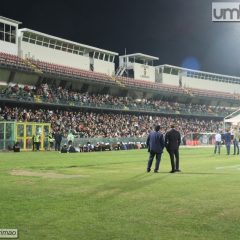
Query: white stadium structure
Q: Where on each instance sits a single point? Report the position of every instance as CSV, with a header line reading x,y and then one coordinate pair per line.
x,y
32,58
31,45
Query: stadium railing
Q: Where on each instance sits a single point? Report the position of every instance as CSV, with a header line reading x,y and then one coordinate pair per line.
x,y
112,107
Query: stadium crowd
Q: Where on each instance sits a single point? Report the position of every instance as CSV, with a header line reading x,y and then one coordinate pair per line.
x,y
92,124
59,95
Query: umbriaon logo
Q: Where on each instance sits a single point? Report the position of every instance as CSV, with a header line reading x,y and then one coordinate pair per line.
x,y
8,233
226,11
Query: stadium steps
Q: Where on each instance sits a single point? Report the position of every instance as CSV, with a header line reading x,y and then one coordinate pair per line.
x,y
33,66
37,99
119,83
188,91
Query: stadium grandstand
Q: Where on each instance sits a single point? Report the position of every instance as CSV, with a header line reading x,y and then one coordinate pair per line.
x,y
79,89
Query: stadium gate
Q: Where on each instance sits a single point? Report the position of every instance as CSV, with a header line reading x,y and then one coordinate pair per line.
x,y
23,132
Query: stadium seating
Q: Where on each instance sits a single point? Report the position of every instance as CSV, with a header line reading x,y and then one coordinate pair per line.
x,y
14,61
172,89
71,72
9,60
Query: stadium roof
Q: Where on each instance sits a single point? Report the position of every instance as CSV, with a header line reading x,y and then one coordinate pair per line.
x,y
197,71
141,56
87,47
10,20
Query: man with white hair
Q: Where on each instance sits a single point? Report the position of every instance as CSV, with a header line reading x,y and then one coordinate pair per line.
x,y
236,136
218,142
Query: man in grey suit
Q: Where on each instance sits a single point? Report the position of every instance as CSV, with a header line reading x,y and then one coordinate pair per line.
x,y
155,144
172,143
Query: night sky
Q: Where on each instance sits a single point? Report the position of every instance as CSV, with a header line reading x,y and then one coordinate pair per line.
x,y
179,32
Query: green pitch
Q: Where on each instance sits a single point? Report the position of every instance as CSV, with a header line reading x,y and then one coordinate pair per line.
x,y
108,195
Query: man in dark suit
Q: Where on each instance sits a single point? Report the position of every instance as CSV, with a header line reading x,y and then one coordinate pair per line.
x,y
155,144
58,140
227,140
172,142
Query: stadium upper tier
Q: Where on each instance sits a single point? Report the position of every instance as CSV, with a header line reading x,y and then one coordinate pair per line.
x,y
59,96
40,68
43,54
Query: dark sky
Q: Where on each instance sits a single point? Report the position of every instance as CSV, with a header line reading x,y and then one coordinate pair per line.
x,y
173,30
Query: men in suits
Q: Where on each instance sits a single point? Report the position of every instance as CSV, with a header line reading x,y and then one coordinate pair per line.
x,y
172,143
155,144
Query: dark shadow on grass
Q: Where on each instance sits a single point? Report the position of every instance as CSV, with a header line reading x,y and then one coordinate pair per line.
x,y
72,166
114,189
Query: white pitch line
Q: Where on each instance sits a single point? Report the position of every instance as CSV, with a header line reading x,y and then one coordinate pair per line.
x,y
234,166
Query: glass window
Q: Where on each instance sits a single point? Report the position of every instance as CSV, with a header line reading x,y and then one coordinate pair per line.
x,y
7,28
64,47
32,40
7,37
39,38
25,39
13,30
26,34
106,57
167,70
45,42
1,27
70,46
29,129
131,59
111,58
33,36
39,43
2,36
174,71
76,48
52,43
20,130
101,56
13,39
96,55
58,45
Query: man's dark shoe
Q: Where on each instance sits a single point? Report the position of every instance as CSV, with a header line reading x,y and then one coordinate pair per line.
x,y
177,170
172,171
148,170
156,171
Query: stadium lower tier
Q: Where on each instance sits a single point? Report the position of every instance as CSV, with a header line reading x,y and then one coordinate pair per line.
x,y
90,124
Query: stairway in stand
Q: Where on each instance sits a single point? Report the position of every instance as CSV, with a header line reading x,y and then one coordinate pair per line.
x,y
117,81
33,66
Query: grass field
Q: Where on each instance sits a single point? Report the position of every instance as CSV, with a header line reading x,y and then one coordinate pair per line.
x,y
109,195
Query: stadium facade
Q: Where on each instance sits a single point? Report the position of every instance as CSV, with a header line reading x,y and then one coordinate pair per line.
x,y
32,58
32,45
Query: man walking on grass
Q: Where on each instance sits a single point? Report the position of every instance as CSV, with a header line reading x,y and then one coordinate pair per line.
x,y
172,143
155,144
